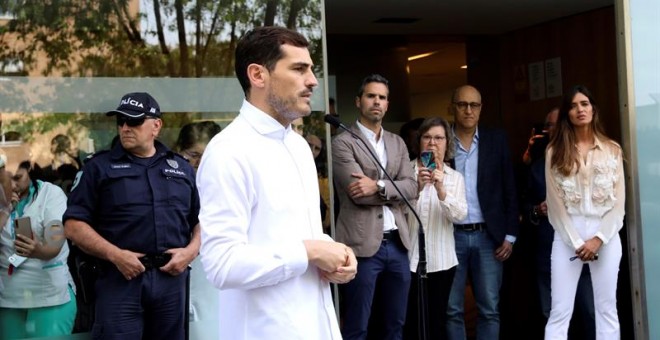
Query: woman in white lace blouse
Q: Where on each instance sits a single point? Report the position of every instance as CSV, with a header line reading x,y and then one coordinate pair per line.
x,y
441,202
586,198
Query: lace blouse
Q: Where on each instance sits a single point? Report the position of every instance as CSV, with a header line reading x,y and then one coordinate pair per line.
x,y
597,190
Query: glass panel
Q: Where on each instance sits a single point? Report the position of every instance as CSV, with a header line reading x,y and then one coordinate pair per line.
x,y
63,64
646,66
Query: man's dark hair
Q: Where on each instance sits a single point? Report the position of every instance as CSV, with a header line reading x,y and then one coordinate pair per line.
x,y
262,46
372,78
198,132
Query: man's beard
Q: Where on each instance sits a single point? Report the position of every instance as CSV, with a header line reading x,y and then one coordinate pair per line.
x,y
374,118
286,109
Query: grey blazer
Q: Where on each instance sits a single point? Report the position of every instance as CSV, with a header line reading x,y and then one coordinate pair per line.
x,y
360,220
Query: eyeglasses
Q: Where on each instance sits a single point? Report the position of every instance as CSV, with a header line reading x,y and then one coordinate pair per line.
x,y
132,122
191,155
464,105
428,138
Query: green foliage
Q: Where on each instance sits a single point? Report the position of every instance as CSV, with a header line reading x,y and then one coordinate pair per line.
x,y
31,125
103,38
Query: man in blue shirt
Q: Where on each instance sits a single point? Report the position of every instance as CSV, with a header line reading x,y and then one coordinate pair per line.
x,y
135,208
484,239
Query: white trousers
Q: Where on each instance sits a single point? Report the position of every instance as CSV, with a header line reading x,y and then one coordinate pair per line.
x,y
564,280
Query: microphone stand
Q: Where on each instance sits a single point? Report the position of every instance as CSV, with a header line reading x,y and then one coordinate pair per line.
x,y
422,294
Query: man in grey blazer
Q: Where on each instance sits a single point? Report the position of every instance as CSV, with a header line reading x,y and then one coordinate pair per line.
x,y
371,217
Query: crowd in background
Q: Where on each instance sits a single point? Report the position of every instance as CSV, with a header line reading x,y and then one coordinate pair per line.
x,y
458,179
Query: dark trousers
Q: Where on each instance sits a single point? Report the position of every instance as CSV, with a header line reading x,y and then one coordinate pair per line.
x,y
390,268
438,286
151,306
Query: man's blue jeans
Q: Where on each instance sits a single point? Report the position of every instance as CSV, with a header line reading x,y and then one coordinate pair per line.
x,y
390,269
476,256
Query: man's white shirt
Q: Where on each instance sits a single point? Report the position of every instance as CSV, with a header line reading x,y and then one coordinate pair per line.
x,y
259,200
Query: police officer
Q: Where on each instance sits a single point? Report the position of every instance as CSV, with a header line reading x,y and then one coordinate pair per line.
x,y
135,208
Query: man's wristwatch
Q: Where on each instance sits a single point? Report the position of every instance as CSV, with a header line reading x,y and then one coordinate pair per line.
x,y
381,186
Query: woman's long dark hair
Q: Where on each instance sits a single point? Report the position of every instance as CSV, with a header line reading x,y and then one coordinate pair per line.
x,y
35,173
563,140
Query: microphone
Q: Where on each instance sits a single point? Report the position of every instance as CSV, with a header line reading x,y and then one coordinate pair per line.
x,y
334,121
421,265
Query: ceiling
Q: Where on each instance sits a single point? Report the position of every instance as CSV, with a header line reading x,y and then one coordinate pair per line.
x,y
447,17
431,26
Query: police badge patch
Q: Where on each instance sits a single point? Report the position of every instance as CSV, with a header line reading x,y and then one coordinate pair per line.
x,y
173,163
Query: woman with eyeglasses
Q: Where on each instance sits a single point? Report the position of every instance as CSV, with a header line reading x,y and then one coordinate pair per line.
x,y
441,202
191,144
586,200
193,138
38,298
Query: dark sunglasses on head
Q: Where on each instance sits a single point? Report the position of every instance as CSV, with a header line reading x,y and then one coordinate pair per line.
x,y
132,122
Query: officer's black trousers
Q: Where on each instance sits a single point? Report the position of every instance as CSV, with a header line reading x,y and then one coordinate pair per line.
x,y
151,306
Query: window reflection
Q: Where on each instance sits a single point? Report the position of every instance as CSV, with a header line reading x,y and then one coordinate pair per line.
x,y
63,65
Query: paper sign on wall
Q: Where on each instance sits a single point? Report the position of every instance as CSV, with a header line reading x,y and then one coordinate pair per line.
x,y
553,82
536,81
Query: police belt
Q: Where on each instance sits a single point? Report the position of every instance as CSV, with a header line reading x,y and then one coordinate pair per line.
x,y
151,261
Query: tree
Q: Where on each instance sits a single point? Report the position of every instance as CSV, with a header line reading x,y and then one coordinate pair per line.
x,y
114,38
172,38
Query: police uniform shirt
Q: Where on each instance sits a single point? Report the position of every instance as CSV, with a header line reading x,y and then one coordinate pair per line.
x,y
144,205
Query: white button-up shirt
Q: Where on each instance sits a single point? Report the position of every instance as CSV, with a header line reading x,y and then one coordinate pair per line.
x,y
259,200
438,218
379,145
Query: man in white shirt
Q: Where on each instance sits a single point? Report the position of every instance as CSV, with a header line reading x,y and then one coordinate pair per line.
x,y
262,240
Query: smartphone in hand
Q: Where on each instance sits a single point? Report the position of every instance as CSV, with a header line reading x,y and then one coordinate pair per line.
x,y
428,160
23,226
